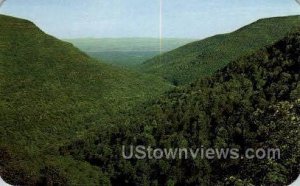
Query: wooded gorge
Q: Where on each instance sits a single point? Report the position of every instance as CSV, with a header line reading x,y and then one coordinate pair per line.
x,y
253,102
65,116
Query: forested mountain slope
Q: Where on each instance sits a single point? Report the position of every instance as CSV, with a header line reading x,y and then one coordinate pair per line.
x,y
202,58
63,117
50,92
254,102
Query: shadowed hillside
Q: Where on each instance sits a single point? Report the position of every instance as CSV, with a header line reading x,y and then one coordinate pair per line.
x,y
64,117
253,102
50,92
203,58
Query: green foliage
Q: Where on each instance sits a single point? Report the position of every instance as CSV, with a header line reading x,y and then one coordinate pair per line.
x,y
64,117
251,103
203,58
50,93
129,59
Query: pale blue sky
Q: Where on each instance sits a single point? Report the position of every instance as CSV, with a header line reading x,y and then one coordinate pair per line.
x,y
140,18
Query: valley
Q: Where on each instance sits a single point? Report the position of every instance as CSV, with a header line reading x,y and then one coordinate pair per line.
x,y
65,113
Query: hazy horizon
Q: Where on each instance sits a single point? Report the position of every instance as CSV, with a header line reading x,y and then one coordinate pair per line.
x,y
74,19
126,38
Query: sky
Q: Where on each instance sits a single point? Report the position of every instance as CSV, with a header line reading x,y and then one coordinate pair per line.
x,y
141,18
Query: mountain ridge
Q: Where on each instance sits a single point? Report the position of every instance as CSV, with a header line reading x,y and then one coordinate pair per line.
x,y
252,103
51,92
202,58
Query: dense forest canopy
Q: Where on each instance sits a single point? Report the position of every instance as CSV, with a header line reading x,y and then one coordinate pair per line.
x,y
50,92
253,102
203,58
65,117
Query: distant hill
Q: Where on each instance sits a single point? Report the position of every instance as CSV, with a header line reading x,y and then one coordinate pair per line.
x,y
203,58
126,51
51,92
